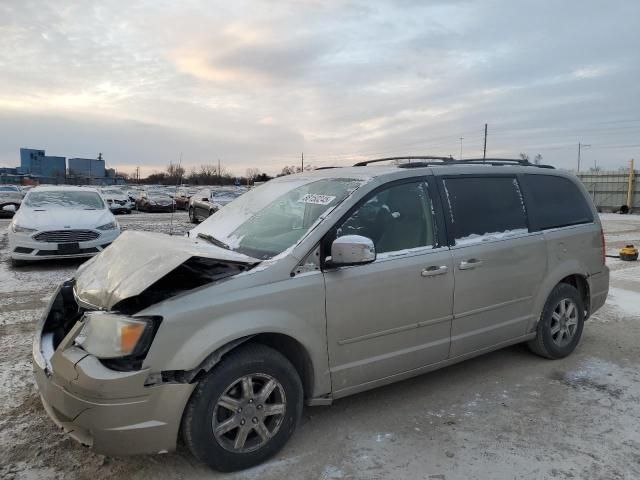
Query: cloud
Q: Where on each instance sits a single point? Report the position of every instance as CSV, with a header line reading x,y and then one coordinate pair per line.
x,y
256,82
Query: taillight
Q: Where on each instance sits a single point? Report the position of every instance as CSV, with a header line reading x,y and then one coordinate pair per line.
x,y
604,246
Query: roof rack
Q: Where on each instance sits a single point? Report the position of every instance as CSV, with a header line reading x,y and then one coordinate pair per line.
x,y
502,161
376,160
428,161
325,168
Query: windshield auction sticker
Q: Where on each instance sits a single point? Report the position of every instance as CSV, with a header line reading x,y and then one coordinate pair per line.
x,y
317,199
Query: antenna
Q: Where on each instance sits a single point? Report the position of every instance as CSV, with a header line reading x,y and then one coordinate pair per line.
x,y
178,170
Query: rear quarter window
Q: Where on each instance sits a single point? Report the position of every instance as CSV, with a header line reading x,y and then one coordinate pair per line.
x,y
555,202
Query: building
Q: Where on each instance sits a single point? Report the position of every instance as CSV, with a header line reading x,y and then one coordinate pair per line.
x,y
50,169
86,167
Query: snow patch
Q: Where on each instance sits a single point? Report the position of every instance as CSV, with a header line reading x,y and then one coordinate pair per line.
x,y
487,237
625,301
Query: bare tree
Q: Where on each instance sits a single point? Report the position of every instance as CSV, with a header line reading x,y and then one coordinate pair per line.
x,y
524,156
537,160
252,173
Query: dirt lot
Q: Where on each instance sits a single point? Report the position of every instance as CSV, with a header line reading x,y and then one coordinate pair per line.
x,y
506,415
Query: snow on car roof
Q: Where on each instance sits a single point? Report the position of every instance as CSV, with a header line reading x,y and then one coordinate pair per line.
x,y
65,188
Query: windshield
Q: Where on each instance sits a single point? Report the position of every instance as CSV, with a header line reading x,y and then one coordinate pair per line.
x,y
69,199
269,219
9,189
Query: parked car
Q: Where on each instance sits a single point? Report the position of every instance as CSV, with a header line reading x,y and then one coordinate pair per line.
x,y
61,222
154,201
206,202
116,199
183,196
10,198
310,288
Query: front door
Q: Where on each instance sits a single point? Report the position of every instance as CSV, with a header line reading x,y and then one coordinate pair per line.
x,y
393,315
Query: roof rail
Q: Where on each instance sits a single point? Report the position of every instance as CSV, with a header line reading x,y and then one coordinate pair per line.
x,y
376,160
325,168
502,161
431,161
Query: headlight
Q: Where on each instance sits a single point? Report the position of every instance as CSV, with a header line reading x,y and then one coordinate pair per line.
x,y
108,226
18,229
106,335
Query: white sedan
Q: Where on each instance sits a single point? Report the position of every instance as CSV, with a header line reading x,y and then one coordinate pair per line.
x,y
61,222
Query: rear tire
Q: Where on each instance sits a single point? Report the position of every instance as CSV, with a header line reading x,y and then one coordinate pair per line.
x,y
245,410
561,323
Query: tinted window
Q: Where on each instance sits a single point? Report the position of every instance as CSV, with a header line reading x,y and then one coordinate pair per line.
x,y
483,208
397,218
555,202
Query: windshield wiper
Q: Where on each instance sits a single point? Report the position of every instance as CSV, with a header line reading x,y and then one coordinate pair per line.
x,y
214,240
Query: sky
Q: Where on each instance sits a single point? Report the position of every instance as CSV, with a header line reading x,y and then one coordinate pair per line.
x,y
256,83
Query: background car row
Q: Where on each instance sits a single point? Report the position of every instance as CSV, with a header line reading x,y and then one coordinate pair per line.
x,y
70,221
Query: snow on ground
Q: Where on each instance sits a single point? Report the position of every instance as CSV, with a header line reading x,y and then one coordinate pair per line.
x,y
508,414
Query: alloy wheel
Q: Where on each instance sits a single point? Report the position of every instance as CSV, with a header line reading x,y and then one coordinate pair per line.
x,y
564,322
249,413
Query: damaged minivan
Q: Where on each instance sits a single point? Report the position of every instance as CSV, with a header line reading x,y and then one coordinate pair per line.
x,y
310,288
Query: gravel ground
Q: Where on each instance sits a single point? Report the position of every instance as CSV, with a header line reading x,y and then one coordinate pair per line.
x,y
505,415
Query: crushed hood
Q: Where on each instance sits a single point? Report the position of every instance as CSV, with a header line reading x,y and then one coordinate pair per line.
x,y
136,260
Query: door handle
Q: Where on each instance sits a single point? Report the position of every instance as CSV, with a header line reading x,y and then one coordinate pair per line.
x,y
434,270
470,264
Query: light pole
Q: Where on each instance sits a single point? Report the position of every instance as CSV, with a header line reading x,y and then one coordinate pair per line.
x,y
461,138
580,147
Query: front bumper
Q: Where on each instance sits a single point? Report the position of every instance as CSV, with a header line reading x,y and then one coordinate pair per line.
x,y
120,208
23,247
112,412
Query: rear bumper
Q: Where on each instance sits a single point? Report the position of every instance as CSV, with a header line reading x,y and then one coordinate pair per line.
x,y
112,412
599,289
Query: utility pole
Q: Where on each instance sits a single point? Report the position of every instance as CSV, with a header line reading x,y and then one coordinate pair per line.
x,y
484,150
219,173
630,186
580,147
302,160
461,138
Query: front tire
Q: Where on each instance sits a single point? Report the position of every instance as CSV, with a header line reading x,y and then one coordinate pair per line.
x,y
561,323
245,410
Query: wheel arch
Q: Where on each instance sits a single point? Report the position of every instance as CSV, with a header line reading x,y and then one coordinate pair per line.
x,y
572,273
580,283
284,344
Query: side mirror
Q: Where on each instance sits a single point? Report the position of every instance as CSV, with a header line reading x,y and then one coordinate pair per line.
x,y
352,250
205,199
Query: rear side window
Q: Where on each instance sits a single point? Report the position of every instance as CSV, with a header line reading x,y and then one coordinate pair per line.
x,y
484,208
555,202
